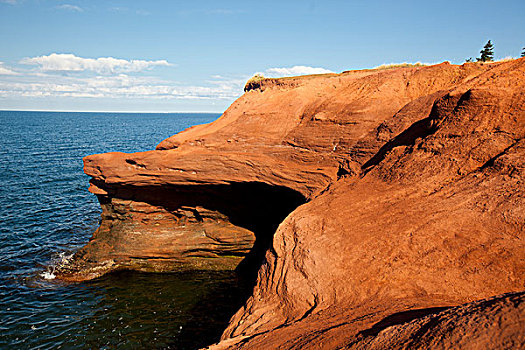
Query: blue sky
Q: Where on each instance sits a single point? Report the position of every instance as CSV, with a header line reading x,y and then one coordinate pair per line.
x,y
176,56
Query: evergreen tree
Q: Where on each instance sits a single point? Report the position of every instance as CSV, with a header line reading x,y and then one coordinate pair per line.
x,y
487,54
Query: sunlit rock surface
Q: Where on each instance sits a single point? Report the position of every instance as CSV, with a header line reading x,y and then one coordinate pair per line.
x,y
364,195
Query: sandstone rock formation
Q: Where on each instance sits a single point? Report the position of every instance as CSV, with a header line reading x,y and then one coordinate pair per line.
x,y
365,195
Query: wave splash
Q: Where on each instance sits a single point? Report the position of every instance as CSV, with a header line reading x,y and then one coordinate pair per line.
x,y
61,259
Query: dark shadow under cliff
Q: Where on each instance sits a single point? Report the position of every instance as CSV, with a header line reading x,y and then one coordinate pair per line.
x,y
255,206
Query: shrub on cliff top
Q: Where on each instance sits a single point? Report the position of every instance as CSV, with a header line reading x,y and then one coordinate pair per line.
x,y
401,65
253,82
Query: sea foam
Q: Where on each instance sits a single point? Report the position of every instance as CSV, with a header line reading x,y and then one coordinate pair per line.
x,y
61,259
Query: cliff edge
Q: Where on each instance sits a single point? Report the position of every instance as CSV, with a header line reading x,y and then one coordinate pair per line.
x,y
358,197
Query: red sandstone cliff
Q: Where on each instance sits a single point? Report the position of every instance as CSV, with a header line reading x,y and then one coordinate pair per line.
x,y
412,193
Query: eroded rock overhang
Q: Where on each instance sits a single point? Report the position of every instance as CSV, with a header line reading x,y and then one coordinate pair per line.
x,y
215,193
170,211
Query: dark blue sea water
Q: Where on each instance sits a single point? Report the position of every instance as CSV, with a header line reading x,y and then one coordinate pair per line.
x,y
46,212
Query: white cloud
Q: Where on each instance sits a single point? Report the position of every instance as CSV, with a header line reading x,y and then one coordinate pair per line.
x,y
119,9
216,11
126,10
101,65
295,70
6,71
120,86
223,12
69,7
107,78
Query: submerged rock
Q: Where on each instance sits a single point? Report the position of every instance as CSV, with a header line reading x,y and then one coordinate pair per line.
x,y
360,196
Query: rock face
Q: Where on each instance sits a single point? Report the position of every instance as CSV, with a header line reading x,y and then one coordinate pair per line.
x,y
365,195
495,323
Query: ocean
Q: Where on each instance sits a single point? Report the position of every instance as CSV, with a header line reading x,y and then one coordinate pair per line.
x,y
47,213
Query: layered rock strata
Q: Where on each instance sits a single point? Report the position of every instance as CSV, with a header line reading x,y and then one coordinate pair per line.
x,y
371,193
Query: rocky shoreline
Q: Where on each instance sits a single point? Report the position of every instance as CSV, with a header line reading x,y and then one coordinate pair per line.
x,y
357,198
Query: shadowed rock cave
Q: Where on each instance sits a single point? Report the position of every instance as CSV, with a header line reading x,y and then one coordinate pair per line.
x,y
255,206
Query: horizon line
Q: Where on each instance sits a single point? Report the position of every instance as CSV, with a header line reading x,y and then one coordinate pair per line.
x,y
99,111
